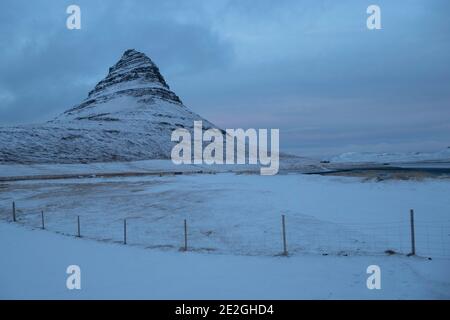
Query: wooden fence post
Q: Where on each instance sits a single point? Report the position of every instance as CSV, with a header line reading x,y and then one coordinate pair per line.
x,y
413,238
14,211
283,222
124,231
185,236
79,232
42,220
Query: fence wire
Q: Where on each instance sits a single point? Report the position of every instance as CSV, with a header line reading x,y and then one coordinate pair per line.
x,y
304,233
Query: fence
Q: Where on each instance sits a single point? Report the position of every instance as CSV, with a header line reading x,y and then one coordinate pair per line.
x,y
275,235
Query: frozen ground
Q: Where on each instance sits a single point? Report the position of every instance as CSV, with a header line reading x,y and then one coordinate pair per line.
x,y
241,213
34,263
26,171
394,157
336,227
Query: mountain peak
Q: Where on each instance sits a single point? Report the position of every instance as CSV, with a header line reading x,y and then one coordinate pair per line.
x,y
130,51
130,115
135,76
133,70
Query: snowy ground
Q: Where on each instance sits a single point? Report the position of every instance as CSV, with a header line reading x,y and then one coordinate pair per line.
x,y
441,156
21,171
35,263
240,213
336,227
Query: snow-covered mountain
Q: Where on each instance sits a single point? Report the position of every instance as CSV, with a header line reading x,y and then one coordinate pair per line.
x,y
129,115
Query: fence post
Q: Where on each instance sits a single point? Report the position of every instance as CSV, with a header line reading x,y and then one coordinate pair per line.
x,y
413,239
78,220
283,222
185,236
124,231
42,219
14,211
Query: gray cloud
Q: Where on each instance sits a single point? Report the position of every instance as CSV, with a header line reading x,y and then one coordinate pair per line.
x,y
47,68
310,68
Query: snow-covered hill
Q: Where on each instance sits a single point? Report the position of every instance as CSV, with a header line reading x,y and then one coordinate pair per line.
x,y
128,116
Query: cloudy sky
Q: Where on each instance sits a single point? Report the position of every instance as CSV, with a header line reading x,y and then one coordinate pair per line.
x,y
310,68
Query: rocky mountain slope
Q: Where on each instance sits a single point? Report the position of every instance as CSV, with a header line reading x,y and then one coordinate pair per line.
x,y
129,115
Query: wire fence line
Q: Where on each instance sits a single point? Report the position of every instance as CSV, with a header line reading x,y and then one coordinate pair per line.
x,y
270,236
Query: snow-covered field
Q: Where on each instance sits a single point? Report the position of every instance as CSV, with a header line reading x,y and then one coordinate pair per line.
x,y
34,263
10,171
393,157
336,227
241,213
